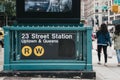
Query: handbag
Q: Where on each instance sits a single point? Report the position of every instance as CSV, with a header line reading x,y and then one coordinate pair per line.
x,y
110,51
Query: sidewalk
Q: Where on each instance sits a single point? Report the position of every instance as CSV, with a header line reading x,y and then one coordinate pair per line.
x,y
109,72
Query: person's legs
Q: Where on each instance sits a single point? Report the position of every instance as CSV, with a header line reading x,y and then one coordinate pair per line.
x,y
105,53
118,55
99,52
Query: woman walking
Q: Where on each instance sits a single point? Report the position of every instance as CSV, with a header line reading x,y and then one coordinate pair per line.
x,y
103,39
116,38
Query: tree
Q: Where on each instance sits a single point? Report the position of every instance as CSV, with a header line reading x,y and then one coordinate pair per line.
x,y
10,10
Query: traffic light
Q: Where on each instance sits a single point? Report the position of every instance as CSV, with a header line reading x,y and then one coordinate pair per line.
x,y
115,8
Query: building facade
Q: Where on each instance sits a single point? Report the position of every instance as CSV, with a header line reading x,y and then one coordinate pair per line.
x,y
82,12
112,16
89,12
99,11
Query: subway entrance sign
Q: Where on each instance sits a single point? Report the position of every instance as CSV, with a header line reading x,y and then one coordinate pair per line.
x,y
48,48
36,45
63,48
66,47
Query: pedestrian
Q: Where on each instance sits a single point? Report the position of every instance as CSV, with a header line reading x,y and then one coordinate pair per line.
x,y
116,38
103,39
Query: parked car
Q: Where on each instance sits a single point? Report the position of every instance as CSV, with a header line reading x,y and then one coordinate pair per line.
x,y
1,37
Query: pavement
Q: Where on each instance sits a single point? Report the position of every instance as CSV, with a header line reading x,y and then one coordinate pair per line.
x,y
109,72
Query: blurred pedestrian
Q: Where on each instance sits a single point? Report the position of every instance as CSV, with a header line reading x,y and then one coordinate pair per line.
x,y
116,38
103,39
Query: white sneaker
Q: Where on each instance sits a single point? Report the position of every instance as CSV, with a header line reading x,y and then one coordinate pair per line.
x,y
99,63
119,64
105,64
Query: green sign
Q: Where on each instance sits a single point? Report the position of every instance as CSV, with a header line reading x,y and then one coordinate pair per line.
x,y
116,1
119,2
104,7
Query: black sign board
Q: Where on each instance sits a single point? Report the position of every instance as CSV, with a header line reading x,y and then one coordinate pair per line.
x,y
47,45
48,11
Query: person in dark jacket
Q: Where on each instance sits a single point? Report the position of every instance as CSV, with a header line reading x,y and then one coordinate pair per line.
x,y
103,39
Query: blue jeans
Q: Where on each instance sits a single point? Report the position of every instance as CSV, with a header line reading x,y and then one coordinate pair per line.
x,y
118,55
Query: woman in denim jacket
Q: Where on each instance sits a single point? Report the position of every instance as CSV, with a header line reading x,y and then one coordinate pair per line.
x,y
103,39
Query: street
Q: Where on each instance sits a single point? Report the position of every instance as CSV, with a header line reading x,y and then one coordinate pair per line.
x,y
109,72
